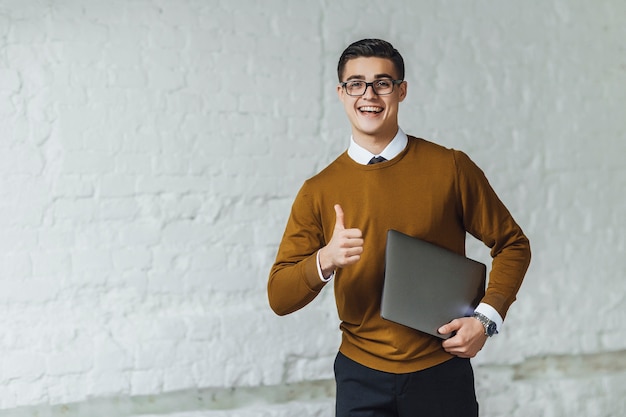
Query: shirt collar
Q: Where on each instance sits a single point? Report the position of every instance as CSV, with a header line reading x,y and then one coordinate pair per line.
x,y
363,156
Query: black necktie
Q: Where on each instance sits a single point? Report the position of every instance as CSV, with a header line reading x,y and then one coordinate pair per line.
x,y
376,160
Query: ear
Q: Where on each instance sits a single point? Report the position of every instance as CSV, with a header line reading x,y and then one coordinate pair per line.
x,y
402,88
340,92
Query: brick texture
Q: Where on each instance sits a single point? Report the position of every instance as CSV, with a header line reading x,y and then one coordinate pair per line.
x,y
150,152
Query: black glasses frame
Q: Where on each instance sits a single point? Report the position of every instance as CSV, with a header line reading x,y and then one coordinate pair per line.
x,y
393,86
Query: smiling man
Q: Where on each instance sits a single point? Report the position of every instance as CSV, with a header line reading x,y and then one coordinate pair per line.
x,y
337,229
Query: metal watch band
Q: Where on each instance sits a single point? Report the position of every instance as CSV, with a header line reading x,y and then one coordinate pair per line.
x,y
489,325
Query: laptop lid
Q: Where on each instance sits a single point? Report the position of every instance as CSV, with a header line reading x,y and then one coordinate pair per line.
x,y
427,286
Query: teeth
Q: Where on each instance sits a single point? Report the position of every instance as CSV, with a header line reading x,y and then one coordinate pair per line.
x,y
371,109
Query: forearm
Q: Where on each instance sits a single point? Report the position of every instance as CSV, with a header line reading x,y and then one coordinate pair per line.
x,y
292,286
507,273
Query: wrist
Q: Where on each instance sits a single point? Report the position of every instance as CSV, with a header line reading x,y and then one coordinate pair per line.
x,y
489,325
326,269
491,313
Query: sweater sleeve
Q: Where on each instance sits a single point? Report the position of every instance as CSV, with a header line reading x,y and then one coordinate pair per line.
x,y
486,218
294,279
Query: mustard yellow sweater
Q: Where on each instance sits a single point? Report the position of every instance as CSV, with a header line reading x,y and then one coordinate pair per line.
x,y
428,191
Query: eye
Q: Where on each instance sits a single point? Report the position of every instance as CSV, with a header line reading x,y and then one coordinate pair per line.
x,y
355,84
383,84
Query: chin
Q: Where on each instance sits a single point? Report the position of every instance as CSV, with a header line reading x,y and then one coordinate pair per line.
x,y
371,128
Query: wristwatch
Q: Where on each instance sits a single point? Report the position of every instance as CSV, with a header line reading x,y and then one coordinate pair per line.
x,y
490,326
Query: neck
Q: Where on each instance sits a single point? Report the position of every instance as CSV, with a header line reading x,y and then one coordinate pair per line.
x,y
374,143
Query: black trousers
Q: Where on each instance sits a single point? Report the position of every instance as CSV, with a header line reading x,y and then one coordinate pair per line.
x,y
445,390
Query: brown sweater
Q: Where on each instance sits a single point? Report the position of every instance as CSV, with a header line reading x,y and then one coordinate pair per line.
x,y
427,191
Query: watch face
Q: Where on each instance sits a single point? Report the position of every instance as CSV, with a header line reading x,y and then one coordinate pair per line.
x,y
491,329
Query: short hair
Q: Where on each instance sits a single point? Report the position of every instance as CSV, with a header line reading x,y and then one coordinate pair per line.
x,y
377,48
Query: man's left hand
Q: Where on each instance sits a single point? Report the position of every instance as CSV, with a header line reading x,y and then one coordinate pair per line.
x,y
469,339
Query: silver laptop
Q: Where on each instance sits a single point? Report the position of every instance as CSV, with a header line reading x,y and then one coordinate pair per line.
x,y
427,286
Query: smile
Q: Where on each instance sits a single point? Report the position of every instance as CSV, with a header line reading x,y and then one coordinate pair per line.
x,y
370,109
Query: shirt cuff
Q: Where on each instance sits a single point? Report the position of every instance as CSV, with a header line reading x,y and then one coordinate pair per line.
x,y
489,312
319,270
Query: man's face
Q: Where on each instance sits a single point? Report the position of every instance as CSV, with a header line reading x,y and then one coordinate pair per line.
x,y
373,116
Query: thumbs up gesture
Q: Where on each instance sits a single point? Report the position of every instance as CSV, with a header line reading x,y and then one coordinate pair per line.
x,y
345,246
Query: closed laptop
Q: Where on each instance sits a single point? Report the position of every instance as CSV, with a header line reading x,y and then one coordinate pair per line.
x,y
427,286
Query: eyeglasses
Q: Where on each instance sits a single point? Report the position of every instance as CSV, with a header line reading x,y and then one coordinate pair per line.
x,y
381,87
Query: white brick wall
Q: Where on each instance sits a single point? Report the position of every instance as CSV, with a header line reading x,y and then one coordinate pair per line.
x,y
150,152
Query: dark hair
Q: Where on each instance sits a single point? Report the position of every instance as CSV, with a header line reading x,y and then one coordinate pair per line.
x,y
371,48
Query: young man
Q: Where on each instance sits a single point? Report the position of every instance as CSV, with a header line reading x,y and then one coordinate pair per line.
x,y
337,232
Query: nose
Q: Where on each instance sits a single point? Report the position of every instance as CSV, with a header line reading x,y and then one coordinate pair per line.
x,y
369,87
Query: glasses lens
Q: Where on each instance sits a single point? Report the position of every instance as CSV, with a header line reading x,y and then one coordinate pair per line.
x,y
384,86
356,88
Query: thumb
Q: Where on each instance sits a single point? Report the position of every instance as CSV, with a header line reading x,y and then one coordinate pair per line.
x,y
339,217
449,328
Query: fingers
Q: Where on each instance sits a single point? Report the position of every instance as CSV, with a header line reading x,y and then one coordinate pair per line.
x,y
349,246
339,225
468,340
454,325
351,251
346,245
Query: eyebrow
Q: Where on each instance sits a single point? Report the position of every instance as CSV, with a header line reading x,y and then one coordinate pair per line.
x,y
362,77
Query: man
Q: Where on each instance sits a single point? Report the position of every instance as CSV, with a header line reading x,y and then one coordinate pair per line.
x,y
337,232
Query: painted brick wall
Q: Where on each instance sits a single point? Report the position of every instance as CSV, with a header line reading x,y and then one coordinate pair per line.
x,y
150,151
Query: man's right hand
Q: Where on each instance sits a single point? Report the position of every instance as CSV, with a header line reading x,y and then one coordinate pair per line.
x,y
345,246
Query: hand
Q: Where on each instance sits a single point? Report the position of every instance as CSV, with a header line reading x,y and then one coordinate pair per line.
x,y
469,339
345,246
